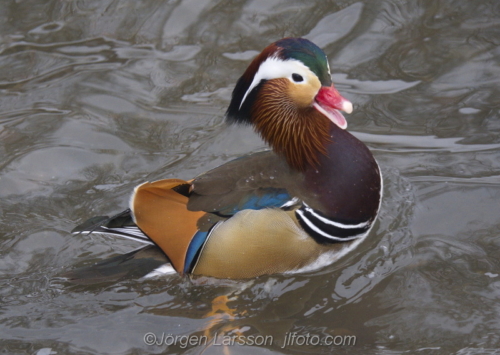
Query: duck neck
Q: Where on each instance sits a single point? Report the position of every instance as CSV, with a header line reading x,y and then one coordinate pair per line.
x,y
300,135
347,181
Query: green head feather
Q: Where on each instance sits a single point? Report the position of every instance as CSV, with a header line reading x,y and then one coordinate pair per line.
x,y
308,53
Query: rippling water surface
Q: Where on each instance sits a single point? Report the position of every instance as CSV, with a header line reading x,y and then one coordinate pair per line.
x,y
98,96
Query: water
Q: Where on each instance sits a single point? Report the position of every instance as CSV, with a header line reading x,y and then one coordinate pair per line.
x,y
98,96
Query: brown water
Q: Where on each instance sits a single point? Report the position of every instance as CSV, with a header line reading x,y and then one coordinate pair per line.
x,y
98,96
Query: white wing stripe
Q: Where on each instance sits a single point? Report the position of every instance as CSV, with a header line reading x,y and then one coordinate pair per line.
x,y
335,224
326,235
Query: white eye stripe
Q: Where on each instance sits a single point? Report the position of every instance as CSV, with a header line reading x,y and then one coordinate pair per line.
x,y
273,68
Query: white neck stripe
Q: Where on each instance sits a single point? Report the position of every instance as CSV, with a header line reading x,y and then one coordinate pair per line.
x,y
333,223
326,235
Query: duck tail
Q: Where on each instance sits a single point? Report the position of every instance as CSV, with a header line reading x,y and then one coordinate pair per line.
x,y
148,261
121,225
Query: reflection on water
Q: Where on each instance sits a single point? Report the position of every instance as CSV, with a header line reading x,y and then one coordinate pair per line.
x,y
98,96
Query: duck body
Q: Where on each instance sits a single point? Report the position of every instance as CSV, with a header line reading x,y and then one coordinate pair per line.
x,y
297,207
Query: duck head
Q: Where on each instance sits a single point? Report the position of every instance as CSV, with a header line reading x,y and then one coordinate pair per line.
x,y
287,94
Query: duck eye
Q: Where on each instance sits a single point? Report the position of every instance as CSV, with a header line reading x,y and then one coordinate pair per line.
x,y
297,78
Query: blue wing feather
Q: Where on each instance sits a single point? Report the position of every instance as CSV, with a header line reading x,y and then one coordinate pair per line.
x,y
197,242
258,199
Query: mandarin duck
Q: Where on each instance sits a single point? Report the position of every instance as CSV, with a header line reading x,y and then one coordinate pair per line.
x,y
300,206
